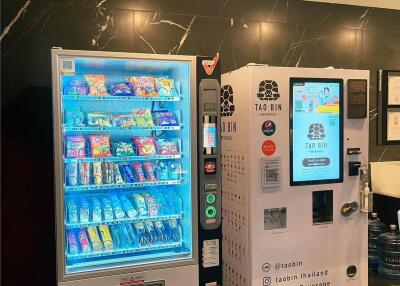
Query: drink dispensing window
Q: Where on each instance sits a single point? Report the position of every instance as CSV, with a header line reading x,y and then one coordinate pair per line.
x,y
316,131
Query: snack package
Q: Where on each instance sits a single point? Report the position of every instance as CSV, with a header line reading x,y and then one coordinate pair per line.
x,y
123,149
117,207
107,209
117,174
165,87
127,206
174,171
96,210
140,204
106,237
127,174
84,173
83,210
72,242
100,145
167,147
97,173
84,241
143,117
138,171
116,236
94,238
142,86
151,204
162,171
149,171
123,120
165,118
120,89
72,173
150,232
141,232
145,146
74,118
75,146
97,84
72,211
98,119
161,233
75,86
173,229
108,172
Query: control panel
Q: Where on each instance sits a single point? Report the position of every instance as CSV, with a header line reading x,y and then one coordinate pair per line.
x,y
209,154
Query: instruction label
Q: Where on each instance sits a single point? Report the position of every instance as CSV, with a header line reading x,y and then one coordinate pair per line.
x,y
210,253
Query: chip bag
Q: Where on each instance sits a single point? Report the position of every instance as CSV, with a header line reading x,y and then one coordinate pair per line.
x,y
98,119
123,120
145,146
120,89
100,145
143,117
167,147
165,87
75,86
142,86
165,118
75,146
97,84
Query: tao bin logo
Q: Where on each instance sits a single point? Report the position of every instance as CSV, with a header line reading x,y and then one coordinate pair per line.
x,y
227,106
268,90
316,131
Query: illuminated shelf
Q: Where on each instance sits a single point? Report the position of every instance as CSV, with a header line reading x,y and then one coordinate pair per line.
x,y
124,251
127,98
124,220
123,158
116,128
77,189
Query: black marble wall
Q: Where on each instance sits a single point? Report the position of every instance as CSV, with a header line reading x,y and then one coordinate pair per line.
x,y
274,32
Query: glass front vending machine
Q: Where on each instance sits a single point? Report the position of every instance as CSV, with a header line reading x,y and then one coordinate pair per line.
x,y
137,178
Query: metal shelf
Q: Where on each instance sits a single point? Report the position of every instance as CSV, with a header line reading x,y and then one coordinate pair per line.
x,y
117,128
77,189
123,158
124,251
125,98
124,220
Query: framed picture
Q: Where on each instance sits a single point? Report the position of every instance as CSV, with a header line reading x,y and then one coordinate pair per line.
x,y
389,107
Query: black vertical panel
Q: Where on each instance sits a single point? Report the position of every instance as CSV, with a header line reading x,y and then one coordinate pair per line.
x,y
212,274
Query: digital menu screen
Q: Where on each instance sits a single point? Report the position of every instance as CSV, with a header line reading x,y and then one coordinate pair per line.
x,y
316,123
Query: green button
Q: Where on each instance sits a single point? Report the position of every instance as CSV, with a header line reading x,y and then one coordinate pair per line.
x,y
210,198
211,212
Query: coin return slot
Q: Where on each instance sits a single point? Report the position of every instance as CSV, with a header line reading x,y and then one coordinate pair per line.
x,y
322,206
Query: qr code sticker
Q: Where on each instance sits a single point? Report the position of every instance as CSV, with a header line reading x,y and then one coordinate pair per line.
x,y
68,66
271,172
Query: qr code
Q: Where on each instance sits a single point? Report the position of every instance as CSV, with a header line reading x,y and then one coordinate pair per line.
x,y
272,175
68,66
271,172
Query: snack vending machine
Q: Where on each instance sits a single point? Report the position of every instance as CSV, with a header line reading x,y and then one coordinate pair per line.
x,y
137,177
295,194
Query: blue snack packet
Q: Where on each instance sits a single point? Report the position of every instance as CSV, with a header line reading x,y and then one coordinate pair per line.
x,y
128,174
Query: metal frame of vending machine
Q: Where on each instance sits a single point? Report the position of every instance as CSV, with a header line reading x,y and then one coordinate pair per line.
x,y
294,143
197,258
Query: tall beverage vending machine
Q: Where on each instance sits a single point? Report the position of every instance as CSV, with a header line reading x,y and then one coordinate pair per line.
x,y
137,177
294,158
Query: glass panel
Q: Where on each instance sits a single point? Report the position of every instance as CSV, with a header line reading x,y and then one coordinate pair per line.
x,y
127,162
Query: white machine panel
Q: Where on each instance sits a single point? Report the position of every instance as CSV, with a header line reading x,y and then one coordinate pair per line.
x,y
292,235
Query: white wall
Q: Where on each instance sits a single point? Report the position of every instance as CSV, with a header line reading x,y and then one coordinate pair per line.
x,y
390,4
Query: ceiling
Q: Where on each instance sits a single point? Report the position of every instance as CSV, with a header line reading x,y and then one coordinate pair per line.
x,y
390,4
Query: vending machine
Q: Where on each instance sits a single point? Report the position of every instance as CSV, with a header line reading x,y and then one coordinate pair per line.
x,y
295,193
137,177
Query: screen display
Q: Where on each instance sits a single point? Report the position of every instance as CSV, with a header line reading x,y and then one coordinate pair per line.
x,y
210,135
317,131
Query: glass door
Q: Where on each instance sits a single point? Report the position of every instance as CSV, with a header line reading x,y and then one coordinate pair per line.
x,y
127,190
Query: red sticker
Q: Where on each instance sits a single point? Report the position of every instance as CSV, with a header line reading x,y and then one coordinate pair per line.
x,y
209,65
268,147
